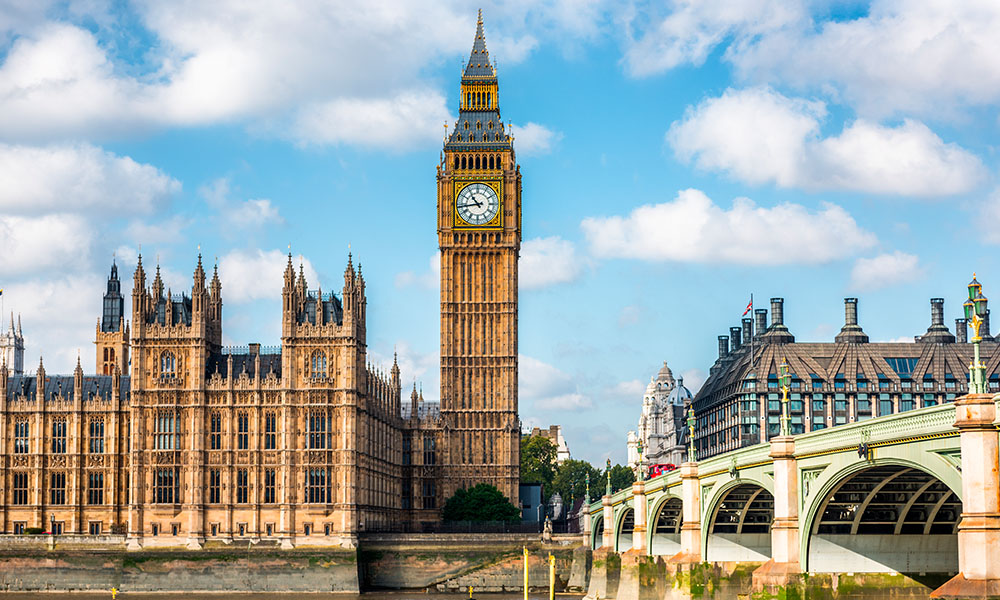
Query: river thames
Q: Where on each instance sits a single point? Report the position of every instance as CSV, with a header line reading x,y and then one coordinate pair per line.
x,y
374,595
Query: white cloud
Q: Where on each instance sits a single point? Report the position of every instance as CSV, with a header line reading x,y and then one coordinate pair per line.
x,y
415,367
547,261
54,243
428,279
885,270
532,139
319,72
693,28
693,379
237,216
701,231
760,136
902,56
407,119
58,316
79,178
989,218
249,275
544,387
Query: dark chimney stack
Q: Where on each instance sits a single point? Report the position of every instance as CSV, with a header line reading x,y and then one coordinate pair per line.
x,y
961,331
850,311
747,330
851,332
938,332
760,316
777,312
723,346
736,337
984,330
937,311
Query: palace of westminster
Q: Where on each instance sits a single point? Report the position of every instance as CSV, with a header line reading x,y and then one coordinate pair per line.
x,y
178,440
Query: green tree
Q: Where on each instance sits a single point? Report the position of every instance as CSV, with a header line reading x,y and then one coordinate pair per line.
x,y
621,477
570,481
538,461
482,502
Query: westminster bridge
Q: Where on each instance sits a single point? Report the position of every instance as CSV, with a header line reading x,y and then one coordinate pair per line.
x,y
913,493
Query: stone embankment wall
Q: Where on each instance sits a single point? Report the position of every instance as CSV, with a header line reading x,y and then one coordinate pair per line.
x,y
28,567
630,577
487,563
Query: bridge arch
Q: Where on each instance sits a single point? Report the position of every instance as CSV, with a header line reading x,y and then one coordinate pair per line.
x,y
664,527
737,521
597,532
891,514
624,525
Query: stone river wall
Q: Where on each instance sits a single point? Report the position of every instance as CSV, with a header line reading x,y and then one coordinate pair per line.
x,y
487,563
230,569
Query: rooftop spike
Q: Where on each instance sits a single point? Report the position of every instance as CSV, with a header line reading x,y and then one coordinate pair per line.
x,y
479,60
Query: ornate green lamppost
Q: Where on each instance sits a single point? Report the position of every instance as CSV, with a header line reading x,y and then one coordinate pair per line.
x,y
691,451
586,482
784,380
638,466
975,312
608,489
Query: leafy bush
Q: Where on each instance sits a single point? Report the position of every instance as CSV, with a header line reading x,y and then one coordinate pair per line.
x,y
482,502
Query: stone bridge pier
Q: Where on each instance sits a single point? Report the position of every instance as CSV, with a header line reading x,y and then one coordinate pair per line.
x,y
979,529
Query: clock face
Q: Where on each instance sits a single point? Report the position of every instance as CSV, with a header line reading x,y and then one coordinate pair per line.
x,y
477,204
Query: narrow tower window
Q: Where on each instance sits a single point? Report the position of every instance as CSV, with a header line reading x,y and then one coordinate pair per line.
x,y
318,364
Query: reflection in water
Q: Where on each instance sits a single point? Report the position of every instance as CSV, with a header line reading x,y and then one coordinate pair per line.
x,y
391,595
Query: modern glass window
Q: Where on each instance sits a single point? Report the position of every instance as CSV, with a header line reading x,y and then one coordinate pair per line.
x,y
59,436
215,431
270,430
242,486
19,488
214,486
772,385
906,384
795,406
885,405
949,384
317,486
21,430
96,435
242,431
906,402
57,488
773,425
883,384
862,385
95,488
818,406
774,405
864,406
317,430
166,486
930,400
269,486
797,426
839,384
817,385
928,384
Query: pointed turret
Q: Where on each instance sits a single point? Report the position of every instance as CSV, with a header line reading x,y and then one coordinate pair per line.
x,y
199,276
479,60
289,273
157,284
479,126
138,278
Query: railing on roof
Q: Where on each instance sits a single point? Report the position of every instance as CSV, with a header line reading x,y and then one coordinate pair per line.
x,y
245,349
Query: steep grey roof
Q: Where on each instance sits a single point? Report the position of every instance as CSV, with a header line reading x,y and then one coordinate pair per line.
x,y
244,360
479,60
94,386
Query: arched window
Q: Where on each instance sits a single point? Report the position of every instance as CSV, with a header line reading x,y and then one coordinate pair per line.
x,y
477,162
168,364
318,364
488,105
491,162
463,162
456,162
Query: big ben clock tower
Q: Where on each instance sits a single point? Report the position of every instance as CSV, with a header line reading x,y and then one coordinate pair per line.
x,y
479,234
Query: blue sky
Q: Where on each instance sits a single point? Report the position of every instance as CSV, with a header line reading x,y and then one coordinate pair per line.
x,y
676,156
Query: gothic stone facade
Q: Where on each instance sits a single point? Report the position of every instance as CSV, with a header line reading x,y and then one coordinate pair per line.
x,y
178,440
200,441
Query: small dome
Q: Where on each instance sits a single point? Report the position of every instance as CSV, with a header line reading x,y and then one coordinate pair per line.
x,y
665,375
680,396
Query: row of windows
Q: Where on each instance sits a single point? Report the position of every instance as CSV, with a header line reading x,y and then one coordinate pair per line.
x,y
22,430
491,161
